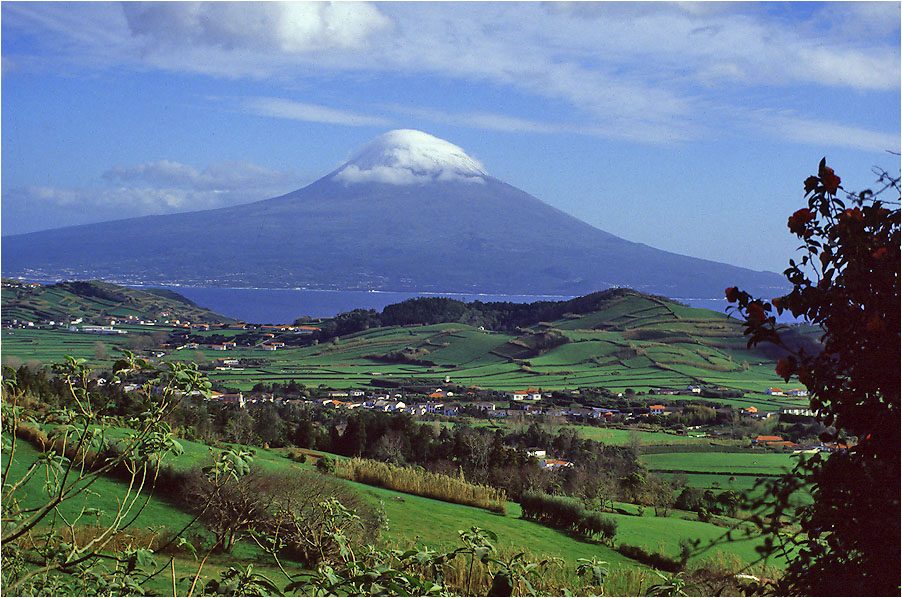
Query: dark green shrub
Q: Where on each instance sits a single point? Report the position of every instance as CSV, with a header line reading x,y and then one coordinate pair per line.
x,y
566,513
652,559
595,523
325,464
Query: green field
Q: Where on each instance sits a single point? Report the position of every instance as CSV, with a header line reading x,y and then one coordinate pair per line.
x,y
103,495
635,342
731,463
406,516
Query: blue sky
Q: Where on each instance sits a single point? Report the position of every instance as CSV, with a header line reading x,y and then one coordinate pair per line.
x,y
686,126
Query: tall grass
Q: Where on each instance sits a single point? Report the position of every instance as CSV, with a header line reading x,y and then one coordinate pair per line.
x,y
422,483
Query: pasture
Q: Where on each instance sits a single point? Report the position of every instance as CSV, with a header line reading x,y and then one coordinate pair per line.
x,y
637,343
763,463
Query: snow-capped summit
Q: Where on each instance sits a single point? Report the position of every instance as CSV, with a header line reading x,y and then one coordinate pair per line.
x,y
407,157
417,233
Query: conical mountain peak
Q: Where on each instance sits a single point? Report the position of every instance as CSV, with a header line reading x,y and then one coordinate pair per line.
x,y
408,212
410,157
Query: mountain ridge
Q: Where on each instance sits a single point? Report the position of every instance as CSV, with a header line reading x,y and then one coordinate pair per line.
x,y
433,232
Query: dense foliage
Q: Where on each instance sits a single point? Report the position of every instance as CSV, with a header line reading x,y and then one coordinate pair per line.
x,y
846,282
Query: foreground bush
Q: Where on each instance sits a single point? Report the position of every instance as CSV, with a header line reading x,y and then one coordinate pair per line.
x,y
847,283
422,483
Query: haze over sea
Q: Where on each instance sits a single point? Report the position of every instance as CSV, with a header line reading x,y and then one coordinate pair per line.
x,y
283,306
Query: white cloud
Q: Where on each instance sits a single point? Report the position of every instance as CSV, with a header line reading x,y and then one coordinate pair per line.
x,y
32,208
858,70
863,20
645,72
818,133
127,201
408,157
289,27
282,108
482,120
226,175
490,121
352,173
162,187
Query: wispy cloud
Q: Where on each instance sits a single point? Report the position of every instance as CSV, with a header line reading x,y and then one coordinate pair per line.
x,y
282,108
646,72
32,208
162,187
222,176
490,121
289,27
821,134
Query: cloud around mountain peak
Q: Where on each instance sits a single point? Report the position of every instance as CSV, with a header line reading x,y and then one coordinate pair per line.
x,y
410,157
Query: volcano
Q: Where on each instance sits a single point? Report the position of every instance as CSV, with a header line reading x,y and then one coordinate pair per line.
x,y
409,212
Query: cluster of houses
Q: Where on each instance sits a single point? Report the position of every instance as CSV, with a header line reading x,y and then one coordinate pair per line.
x,y
753,412
778,442
795,392
692,389
547,462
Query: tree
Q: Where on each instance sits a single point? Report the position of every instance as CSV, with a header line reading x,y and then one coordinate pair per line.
x,y
268,425
239,427
353,441
228,497
846,282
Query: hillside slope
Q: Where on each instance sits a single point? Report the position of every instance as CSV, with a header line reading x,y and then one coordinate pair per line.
x,y
93,301
622,339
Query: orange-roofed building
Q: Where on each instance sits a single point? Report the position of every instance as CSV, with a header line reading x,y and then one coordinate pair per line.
x,y
768,439
556,463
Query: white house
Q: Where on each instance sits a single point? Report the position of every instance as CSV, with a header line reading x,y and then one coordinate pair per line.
x,y
556,463
797,411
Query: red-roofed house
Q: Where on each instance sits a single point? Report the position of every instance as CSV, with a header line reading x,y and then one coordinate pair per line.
x,y
768,439
556,463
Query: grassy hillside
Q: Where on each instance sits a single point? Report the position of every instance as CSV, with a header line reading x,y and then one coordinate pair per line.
x,y
405,514
93,301
636,342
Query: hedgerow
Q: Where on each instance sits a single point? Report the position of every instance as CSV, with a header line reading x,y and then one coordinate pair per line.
x,y
566,513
